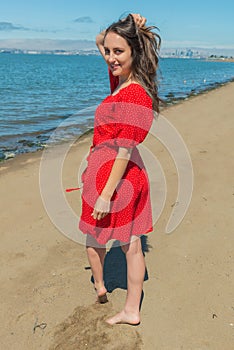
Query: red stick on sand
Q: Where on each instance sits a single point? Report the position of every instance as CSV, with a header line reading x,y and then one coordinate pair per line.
x,y
72,189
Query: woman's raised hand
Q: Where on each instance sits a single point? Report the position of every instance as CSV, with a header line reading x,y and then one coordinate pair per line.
x,y
139,20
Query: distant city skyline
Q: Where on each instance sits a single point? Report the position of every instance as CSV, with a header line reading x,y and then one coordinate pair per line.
x,y
37,24
79,46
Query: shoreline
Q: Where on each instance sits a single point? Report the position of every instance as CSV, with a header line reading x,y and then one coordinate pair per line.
x,y
217,59
10,155
193,93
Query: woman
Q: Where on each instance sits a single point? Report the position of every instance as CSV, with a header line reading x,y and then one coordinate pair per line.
x,y
115,198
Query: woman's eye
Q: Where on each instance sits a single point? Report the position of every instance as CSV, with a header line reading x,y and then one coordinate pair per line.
x,y
107,52
118,51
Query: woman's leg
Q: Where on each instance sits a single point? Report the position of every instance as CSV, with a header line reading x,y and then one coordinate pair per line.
x,y
96,255
136,272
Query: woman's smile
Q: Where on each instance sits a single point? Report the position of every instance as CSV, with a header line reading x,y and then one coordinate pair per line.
x,y
114,67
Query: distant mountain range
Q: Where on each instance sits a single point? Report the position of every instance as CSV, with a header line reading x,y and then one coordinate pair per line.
x,y
47,44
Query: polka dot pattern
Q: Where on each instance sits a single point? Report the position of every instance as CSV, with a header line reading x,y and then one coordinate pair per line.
x,y
121,120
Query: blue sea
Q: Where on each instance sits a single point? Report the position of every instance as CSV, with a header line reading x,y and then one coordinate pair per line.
x,y
38,92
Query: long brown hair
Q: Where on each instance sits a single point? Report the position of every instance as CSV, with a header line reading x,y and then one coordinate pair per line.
x,y
145,44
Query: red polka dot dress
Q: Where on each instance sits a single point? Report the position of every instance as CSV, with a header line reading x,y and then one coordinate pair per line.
x,y
121,120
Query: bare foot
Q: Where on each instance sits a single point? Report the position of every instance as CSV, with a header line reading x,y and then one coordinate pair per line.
x,y
101,295
124,317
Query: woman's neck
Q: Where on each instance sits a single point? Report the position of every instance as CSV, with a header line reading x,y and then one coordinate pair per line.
x,y
124,79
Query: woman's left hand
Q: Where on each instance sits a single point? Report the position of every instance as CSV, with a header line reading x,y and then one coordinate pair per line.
x,y
101,208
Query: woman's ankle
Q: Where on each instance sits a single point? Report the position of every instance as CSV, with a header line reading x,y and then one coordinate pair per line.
x,y
131,310
99,286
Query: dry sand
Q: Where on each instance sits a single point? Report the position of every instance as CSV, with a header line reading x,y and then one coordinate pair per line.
x,y
46,294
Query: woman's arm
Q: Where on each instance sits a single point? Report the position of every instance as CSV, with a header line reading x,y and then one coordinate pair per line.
x,y
102,205
100,43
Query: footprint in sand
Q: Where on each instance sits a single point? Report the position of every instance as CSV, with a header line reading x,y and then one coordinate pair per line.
x,y
86,329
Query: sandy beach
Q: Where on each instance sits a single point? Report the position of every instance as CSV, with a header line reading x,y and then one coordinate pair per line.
x,y
47,297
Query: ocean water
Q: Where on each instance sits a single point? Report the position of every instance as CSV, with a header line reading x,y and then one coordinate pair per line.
x,y
39,92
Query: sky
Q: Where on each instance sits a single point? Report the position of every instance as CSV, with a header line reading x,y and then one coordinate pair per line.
x,y
182,23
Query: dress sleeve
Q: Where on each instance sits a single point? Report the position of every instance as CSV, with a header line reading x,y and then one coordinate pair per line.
x,y
114,81
134,117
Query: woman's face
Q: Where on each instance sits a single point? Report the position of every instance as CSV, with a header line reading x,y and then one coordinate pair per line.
x,y
118,55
